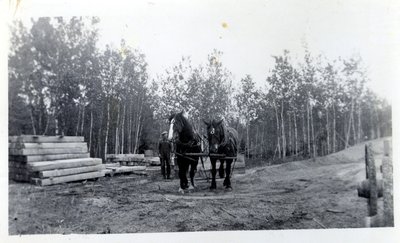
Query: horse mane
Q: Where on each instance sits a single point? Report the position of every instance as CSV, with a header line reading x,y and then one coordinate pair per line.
x,y
185,123
225,134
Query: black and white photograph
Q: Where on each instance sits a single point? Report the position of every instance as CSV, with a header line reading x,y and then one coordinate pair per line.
x,y
234,120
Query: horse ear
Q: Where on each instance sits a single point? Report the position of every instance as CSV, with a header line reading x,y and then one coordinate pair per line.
x,y
207,123
220,121
185,114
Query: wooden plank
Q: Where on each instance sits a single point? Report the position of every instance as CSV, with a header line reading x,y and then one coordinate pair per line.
x,y
63,164
70,171
47,151
68,178
46,145
124,156
46,157
44,139
125,169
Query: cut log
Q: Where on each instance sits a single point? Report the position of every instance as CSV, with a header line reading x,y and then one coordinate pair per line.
x,y
48,151
46,145
46,157
69,178
63,164
70,171
44,139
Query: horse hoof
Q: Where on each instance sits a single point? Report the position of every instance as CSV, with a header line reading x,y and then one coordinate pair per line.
x,y
181,191
228,188
191,188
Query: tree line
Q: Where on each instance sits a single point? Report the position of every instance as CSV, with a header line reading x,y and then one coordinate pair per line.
x,y
62,83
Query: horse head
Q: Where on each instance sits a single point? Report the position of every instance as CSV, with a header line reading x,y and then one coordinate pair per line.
x,y
215,133
178,123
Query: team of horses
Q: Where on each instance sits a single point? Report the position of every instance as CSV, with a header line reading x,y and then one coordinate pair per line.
x,y
188,144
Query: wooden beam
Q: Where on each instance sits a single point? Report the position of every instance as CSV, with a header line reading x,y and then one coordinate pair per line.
x,y
62,164
46,157
68,178
70,171
46,145
44,139
47,151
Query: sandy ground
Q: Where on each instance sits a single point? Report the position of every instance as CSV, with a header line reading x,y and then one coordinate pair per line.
x,y
297,195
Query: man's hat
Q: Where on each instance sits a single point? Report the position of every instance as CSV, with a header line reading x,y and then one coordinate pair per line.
x,y
165,132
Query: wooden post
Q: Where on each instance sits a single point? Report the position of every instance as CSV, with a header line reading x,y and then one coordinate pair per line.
x,y
387,170
373,199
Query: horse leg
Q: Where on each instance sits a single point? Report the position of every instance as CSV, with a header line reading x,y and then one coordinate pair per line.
x,y
221,168
182,173
227,181
193,169
213,174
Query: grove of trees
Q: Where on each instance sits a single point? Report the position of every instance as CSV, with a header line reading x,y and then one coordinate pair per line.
x,y
62,83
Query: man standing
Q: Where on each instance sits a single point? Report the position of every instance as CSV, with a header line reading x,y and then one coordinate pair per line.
x,y
164,152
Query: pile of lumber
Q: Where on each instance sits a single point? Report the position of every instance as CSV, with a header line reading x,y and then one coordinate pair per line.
x,y
126,159
112,169
48,160
133,159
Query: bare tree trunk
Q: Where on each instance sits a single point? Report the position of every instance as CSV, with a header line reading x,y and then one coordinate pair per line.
x,y
349,126
278,133
257,145
308,129
123,129
83,119
290,135
56,125
247,139
77,123
334,130
296,149
328,140
303,128
312,133
130,130
136,148
353,127
360,131
107,130
47,124
138,126
90,130
32,120
283,133
116,133
262,142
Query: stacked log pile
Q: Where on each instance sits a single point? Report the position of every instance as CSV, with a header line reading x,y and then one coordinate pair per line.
x,y
48,160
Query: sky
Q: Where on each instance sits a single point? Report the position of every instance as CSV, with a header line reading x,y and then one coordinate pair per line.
x,y
249,33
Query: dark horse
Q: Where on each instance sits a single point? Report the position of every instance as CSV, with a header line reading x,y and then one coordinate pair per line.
x,y
186,141
221,140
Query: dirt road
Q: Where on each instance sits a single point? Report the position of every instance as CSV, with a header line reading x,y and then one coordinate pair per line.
x,y
297,195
